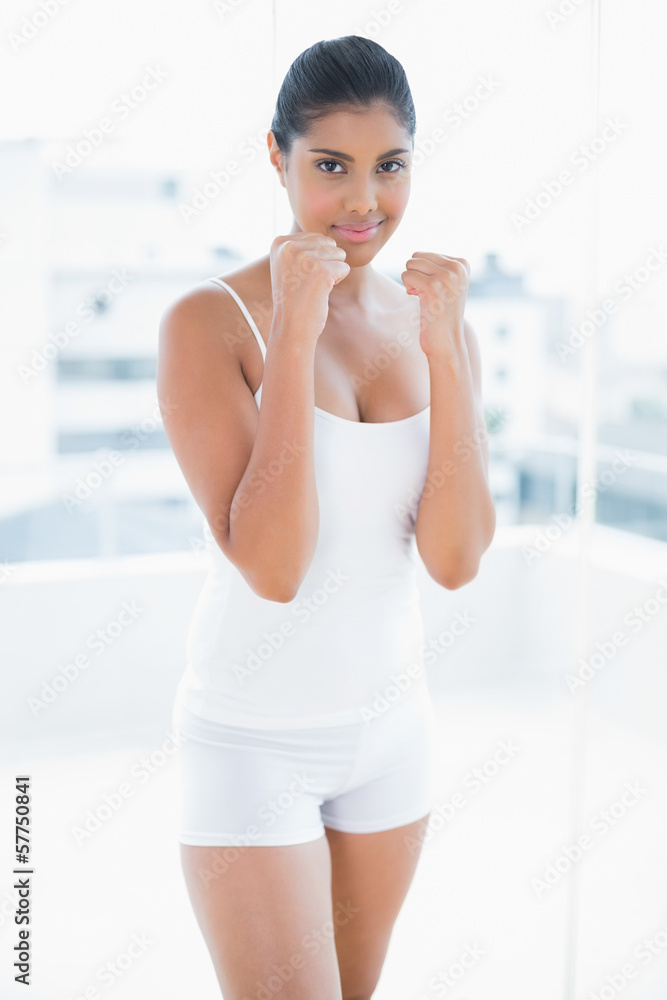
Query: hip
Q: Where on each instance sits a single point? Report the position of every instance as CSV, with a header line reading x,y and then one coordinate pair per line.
x,y
245,785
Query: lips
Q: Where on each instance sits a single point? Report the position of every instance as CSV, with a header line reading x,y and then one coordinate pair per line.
x,y
359,227
359,233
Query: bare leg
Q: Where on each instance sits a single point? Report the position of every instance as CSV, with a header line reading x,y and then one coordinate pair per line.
x,y
373,871
266,914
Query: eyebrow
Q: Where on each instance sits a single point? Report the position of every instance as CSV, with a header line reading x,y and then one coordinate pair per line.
x,y
344,156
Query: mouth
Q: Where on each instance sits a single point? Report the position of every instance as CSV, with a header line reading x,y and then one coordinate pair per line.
x,y
358,234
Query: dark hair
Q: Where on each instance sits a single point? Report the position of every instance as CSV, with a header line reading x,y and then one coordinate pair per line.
x,y
352,70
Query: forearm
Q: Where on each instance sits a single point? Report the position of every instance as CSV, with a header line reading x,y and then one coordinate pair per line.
x,y
274,517
456,518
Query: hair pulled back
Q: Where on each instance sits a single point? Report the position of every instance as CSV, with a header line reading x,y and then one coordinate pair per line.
x,y
334,73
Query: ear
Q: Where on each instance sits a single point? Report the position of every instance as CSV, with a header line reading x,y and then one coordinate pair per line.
x,y
276,157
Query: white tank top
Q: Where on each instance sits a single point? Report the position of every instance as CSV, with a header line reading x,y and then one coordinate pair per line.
x,y
350,643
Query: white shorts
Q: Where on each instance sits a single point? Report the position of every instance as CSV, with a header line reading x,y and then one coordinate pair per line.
x,y
242,786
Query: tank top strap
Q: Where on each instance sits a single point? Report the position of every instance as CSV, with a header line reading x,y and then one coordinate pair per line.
x,y
244,309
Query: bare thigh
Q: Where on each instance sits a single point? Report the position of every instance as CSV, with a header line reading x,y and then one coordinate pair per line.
x,y
372,872
267,917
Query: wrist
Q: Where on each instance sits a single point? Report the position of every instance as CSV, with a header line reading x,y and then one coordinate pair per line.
x,y
290,335
451,359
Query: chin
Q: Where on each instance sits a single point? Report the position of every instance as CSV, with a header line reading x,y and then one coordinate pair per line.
x,y
357,262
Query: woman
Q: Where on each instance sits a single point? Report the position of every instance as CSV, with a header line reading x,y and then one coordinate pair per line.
x,y
307,765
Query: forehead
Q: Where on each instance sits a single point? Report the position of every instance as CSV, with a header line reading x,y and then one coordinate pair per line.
x,y
362,128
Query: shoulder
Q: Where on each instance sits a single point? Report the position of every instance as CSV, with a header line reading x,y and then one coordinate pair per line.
x,y
208,302
251,282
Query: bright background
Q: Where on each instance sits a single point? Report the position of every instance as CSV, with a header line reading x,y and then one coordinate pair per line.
x,y
80,534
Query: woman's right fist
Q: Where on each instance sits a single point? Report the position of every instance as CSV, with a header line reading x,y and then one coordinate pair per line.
x,y
304,269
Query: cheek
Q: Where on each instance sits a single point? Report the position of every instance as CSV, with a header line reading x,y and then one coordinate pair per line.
x,y
397,199
321,202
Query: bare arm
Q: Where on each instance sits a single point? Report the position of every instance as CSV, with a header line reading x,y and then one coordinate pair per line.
x,y
252,474
456,519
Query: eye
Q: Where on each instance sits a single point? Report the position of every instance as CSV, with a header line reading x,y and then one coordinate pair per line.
x,y
336,162
399,163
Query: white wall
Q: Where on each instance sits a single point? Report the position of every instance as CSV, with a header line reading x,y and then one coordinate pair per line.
x,y
520,645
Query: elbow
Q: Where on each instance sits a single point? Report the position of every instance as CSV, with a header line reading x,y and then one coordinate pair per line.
x,y
279,594
455,576
277,584
279,590
463,567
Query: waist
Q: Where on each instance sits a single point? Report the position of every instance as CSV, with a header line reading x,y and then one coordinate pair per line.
x,y
336,651
201,706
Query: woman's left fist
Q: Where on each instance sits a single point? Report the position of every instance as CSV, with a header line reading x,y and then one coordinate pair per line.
x,y
441,283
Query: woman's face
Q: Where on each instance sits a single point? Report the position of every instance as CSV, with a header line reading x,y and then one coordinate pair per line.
x,y
363,177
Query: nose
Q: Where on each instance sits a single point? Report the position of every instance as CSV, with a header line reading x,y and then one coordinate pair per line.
x,y
361,197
